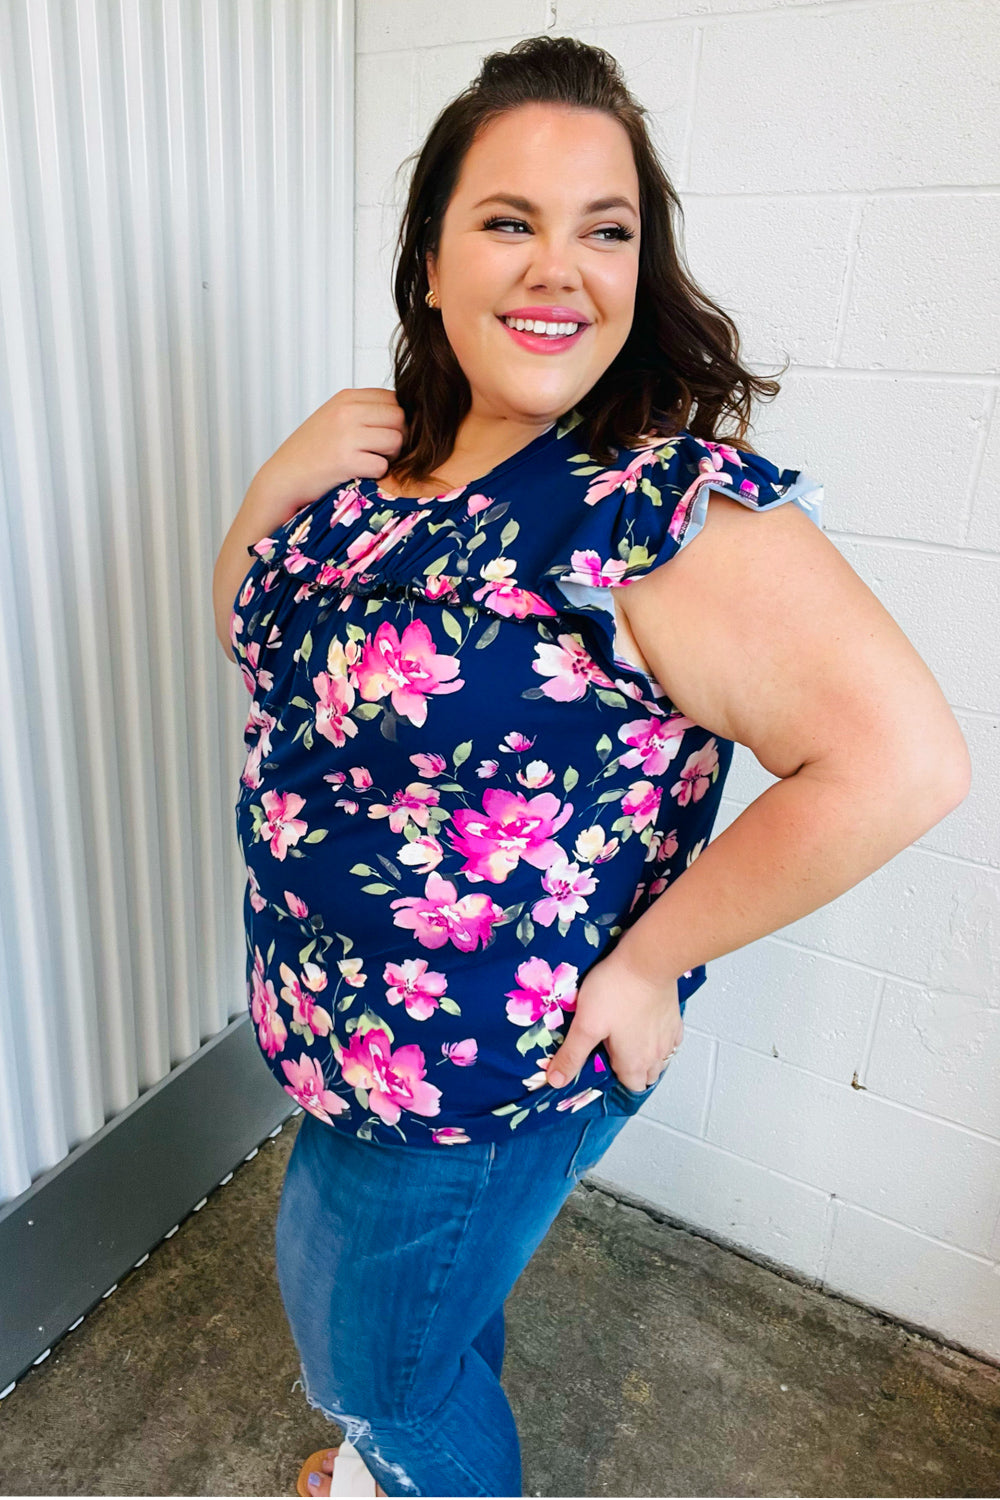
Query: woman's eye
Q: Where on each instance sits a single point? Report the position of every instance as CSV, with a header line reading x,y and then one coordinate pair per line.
x,y
617,231
612,231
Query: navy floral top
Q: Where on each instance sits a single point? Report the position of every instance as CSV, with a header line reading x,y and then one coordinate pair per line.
x,y
457,794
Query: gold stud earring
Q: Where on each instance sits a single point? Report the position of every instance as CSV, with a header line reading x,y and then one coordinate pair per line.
x,y
431,299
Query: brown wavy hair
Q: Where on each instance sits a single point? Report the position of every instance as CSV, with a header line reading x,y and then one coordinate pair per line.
x,y
679,366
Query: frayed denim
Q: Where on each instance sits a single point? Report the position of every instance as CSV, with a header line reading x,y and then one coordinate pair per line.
x,y
394,1263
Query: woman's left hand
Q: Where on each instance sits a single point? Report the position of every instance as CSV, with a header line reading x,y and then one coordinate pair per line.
x,y
639,1021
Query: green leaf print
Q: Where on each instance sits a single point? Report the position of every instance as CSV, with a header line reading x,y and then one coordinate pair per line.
x,y
461,753
494,513
371,1022
475,540
612,796
505,1109
570,778
451,1006
377,889
591,933
388,865
526,929
362,1096
305,650
604,747
539,1035
373,606
515,1120
366,710
316,837
573,420
488,635
363,870
508,534
452,626
438,565
613,700
354,632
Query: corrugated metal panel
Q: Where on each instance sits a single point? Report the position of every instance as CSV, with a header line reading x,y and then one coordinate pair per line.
x,y
176,220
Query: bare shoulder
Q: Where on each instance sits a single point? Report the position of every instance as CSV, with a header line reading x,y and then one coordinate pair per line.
x,y
761,631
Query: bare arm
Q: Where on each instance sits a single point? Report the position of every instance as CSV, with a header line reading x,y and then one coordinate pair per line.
x,y
353,435
256,518
761,631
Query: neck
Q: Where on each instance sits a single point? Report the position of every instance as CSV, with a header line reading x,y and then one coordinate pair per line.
x,y
482,442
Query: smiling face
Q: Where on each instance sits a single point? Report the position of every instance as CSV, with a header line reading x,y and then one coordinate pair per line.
x,y
537,230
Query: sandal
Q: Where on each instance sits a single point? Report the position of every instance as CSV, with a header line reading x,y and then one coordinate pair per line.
x,y
351,1476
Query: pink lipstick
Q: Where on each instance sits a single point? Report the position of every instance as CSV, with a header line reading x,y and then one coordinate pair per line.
x,y
534,338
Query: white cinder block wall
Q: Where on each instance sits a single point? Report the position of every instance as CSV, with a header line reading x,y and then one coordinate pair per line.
x,y
835,1106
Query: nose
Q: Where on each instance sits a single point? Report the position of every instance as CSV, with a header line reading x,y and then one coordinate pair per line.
x,y
552,265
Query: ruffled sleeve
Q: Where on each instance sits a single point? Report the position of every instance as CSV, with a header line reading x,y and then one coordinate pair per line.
x,y
633,519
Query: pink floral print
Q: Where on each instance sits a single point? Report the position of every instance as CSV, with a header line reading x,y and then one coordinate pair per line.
x,y
406,668
510,827
455,796
441,916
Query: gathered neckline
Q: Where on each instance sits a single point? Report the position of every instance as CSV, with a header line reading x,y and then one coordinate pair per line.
x,y
506,464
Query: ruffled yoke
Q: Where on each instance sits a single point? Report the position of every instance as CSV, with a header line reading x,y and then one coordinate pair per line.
x,y
481,546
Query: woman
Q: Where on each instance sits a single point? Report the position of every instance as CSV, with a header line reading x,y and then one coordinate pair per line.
x,y
488,740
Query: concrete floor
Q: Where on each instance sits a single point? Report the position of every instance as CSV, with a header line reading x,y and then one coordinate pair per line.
x,y
641,1360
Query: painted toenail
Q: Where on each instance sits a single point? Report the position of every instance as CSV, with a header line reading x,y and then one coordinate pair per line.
x,y
314,1480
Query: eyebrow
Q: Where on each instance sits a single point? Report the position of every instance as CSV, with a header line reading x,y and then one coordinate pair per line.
x,y
599,205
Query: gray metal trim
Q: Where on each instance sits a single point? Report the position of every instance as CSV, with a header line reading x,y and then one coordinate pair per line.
x,y
81,1227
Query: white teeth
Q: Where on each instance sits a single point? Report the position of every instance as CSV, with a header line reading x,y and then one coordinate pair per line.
x,y
537,325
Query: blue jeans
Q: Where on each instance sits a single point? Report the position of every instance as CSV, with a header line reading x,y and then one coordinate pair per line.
x,y
394,1263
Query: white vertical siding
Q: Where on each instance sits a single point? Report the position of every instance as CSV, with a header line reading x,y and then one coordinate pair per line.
x,y
176,208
